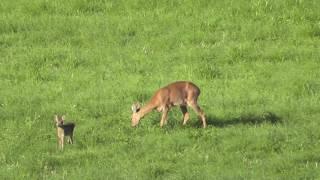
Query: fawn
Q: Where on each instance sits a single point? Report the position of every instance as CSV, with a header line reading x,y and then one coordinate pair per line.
x,y
63,129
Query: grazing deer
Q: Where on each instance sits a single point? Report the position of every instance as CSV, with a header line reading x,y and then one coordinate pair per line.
x,y
63,130
181,93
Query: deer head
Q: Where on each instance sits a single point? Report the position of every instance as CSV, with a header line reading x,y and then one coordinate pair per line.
x,y
135,118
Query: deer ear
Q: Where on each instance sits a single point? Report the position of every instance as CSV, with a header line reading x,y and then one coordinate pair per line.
x,y
135,107
138,106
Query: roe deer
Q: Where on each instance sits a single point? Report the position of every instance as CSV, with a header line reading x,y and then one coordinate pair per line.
x,y
63,129
181,93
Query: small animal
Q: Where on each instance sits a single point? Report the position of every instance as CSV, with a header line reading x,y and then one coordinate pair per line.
x,y
63,129
181,93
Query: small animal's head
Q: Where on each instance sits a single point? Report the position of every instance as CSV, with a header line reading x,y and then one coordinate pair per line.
x,y
135,118
59,120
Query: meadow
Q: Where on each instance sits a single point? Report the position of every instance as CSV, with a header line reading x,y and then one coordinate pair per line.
x,y
256,62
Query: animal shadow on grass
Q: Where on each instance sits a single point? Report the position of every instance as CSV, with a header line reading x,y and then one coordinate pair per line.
x,y
250,119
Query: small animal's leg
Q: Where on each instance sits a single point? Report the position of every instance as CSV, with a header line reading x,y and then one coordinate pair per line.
x,y
185,113
58,142
71,139
61,142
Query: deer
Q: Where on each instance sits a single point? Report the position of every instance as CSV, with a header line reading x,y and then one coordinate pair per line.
x,y
63,129
181,93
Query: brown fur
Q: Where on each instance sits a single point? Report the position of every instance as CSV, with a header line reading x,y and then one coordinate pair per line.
x,y
181,93
64,130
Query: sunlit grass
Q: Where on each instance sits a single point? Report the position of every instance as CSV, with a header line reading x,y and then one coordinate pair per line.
x,y
256,64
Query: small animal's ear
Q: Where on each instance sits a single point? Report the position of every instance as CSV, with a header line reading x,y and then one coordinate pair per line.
x,y
63,117
135,107
56,118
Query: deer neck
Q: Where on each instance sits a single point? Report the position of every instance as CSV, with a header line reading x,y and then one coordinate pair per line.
x,y
146,109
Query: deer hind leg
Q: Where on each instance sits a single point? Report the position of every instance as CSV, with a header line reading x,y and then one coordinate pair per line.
x,y
185,113
200,113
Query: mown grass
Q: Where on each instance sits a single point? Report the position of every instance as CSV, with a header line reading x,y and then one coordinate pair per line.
x,y
256,62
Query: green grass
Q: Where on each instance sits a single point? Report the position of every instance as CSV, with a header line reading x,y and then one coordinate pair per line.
x,y
257,64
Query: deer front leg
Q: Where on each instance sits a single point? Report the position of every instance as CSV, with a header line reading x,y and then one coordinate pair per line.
x,y
164,116
185,113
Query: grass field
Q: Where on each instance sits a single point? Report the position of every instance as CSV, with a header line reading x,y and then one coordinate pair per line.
x,y
256,62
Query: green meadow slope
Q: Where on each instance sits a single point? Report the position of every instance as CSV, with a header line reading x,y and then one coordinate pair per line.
x,y
256,62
